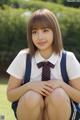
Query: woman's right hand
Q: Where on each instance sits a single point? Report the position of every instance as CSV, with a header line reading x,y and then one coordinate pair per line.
x,y
41,87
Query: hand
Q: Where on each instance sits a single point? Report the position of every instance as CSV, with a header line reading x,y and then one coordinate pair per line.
x,y
41,87
54,83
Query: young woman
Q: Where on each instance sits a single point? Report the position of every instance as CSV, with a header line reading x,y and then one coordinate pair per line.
x,y
40,99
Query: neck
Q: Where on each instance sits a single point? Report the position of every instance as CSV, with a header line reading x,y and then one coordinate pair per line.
x,y
46,53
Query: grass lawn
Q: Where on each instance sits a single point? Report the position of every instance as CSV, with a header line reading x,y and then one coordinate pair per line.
x,y
5,106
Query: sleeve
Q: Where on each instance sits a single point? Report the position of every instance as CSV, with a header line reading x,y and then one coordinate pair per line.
x,y
17,67
73,66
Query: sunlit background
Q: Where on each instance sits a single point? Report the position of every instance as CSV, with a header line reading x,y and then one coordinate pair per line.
x,y
14,15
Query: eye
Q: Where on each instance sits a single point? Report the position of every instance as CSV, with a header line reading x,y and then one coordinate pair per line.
x,y
34,31
45,30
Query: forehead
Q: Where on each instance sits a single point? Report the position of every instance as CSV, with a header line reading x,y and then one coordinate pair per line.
x,y
40,21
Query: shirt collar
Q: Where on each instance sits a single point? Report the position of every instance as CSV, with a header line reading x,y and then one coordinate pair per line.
x,y
53,59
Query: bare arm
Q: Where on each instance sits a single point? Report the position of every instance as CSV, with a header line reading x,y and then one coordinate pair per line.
x,y
73,90
15,91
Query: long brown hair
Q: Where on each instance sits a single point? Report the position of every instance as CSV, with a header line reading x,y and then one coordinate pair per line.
x,y
44,18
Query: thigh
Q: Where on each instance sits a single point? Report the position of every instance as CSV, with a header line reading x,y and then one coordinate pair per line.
x,y
31,98
45,115
58,102
29,101
57,95
28,97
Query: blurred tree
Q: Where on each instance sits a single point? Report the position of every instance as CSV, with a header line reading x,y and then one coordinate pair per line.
x,y
8,2
72,3
3,2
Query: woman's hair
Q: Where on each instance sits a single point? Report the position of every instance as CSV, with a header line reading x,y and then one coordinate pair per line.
x,y
43,18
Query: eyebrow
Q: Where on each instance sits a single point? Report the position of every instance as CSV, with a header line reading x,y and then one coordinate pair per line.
x,y
39,28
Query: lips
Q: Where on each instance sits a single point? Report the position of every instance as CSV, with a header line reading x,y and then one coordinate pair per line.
x,y
42,43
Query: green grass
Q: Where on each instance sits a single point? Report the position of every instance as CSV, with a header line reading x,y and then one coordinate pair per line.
x,y
5,105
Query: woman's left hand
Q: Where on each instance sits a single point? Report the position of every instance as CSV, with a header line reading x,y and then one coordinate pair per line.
x,y
55,83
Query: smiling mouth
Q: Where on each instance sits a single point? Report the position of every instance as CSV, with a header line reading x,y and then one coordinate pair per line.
x,y
42,43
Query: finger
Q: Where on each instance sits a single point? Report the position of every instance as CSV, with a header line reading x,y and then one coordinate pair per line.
x,y
49,89
46,92
42,93
49,85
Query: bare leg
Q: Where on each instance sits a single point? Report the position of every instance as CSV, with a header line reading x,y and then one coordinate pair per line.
x,y
49,111
30,106
45,115
58,105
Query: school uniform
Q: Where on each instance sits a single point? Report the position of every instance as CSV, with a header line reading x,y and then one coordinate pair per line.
x,y
17,67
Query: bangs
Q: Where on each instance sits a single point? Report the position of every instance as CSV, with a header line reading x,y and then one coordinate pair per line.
x,y
40,21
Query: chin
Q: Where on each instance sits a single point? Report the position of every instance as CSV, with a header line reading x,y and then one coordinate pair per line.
x,y
42,49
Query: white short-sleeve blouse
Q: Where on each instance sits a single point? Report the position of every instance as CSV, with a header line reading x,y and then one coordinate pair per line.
x,y
17,67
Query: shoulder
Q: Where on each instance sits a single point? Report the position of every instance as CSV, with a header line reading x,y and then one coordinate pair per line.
x,y
17,66
70,54
21,56
71,58
73,66
24,51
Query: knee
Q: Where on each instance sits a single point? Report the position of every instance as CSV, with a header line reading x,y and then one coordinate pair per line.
x,y
31,100
58,96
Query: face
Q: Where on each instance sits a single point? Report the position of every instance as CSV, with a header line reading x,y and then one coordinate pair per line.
x,y
42,38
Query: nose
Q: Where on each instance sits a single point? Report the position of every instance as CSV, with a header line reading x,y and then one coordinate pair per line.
x,y
40,35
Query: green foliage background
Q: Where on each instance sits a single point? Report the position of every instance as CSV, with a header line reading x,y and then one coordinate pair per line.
x,y
13,24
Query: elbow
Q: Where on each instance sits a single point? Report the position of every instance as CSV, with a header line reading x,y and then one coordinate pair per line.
x,y
9,96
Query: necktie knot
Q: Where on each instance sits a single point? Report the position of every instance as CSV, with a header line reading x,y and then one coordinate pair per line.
x,y
45,70
44,64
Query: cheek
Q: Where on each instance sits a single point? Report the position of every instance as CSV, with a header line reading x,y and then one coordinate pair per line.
x,y
34,37
34,41
50,37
